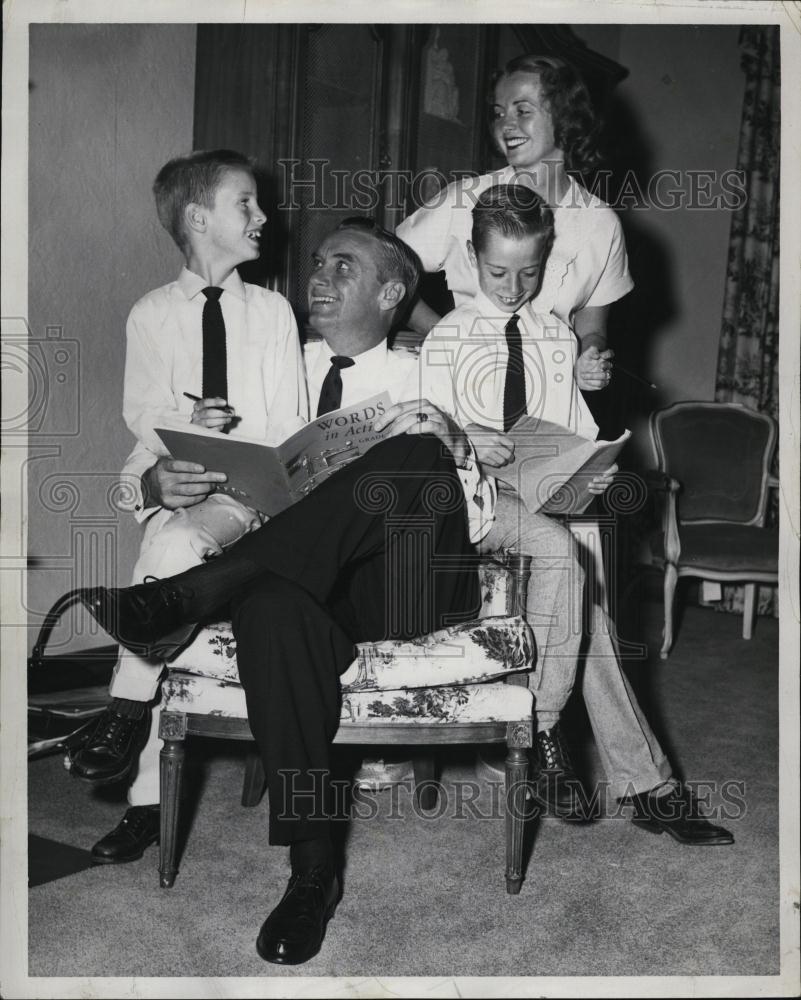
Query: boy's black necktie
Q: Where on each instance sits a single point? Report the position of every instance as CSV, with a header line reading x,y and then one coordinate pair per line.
x,y
514,389
331,391
215,364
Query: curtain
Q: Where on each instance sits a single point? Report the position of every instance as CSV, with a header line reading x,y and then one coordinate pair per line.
x,y
749,341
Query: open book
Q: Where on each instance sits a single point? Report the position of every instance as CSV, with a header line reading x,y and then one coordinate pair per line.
x,y
272,477
553,466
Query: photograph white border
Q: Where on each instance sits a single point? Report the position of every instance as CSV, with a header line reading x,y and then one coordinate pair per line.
x,y
14,980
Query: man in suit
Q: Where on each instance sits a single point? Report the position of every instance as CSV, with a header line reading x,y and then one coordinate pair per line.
x,y
315,580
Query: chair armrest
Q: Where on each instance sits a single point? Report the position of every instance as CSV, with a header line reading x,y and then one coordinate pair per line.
x,y
659,481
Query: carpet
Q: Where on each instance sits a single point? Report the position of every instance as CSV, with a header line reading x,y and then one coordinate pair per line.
x,y
425,895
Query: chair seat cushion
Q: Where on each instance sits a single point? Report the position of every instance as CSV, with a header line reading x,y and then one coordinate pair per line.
x,y
724,548
192,693
467,653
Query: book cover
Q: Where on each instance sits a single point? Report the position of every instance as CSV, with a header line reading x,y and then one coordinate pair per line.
x,y
272,477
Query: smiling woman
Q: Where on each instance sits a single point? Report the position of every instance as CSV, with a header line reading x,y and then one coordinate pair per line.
x,y
542,121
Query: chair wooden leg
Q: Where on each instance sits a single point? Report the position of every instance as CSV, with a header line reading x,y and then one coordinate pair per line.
x,y
173,731
255,780
750,592
426,794
671,576
516,774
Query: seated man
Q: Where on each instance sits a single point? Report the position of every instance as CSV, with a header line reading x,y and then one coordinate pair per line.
x,y
314,582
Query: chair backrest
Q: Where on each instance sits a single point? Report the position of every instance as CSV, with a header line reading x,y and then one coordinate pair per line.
x,y
721,455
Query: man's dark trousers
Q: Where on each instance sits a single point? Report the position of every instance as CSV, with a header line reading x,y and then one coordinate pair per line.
x,y
380,550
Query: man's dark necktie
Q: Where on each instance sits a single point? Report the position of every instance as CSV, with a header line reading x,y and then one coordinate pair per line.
x,y
331,392
514,389
215,364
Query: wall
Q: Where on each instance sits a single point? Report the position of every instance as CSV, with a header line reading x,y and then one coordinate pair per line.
x,y
679,109
108,105
685,93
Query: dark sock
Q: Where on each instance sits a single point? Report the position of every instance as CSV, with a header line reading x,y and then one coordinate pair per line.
x,y
307,854
127,708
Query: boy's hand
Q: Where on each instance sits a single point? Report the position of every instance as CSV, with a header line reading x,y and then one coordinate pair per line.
x,y
599,484
405,418
214,413
173,484
493,448
594,369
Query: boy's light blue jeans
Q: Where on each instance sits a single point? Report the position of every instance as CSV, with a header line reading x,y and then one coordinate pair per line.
x,y
630,753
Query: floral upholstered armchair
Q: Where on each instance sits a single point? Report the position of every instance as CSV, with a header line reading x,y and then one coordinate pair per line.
x,y
447,687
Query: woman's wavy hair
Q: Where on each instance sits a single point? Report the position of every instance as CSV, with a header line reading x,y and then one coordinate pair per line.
x,y
576,127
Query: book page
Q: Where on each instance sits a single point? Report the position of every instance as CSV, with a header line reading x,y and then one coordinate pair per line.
x,y
553,466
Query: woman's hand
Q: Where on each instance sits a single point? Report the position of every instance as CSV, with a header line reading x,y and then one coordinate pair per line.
x,y
422,417
493,448
599,484
593,369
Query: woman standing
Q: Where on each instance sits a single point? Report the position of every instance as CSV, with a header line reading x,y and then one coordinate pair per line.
x,y
543,123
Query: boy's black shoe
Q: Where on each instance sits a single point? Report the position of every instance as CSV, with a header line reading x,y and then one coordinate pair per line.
x,y
293,933
112,748
138,829
144,618
555,784
676,812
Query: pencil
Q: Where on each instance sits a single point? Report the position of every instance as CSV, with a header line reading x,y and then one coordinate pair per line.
x,y
197,399
619,368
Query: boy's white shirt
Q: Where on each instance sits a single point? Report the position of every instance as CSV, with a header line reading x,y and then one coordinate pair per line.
x,y
464,360
265,369
463,364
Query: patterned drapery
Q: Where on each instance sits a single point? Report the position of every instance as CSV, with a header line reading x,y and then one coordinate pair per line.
x,y
749,340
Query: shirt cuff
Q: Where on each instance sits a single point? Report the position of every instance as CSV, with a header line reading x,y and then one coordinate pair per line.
x,y
131,494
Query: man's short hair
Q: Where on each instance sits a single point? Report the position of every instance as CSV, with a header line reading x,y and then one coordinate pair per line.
x,y
395,260
192,179
512,210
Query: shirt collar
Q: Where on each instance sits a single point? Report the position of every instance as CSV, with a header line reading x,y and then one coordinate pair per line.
x,y
192,284
488,311
376,355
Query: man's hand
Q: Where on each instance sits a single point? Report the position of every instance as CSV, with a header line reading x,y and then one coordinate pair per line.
x,y
421,417
599,484
594,369
173,484
214,413
493,448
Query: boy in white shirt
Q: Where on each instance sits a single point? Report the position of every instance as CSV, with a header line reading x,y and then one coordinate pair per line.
x,y
487,363
235,348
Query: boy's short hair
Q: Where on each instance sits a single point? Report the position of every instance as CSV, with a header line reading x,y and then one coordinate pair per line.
x,y
513,210
192,179
395,261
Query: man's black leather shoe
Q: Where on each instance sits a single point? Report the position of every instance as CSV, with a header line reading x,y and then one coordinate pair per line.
x,y
147,619
556,786
676,812
294,931
138,829
111,749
